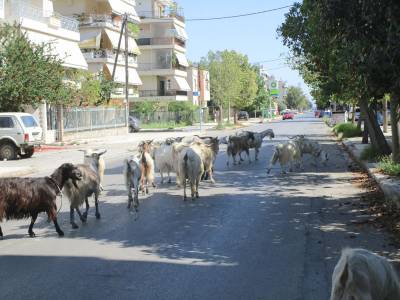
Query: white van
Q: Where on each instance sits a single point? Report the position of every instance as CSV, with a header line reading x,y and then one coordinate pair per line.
x,y
19,134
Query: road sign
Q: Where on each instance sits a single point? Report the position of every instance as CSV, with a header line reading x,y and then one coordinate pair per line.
x,y
273,88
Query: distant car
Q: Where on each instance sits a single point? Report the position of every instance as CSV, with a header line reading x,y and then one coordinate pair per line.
x,y
243,115
134,124
288,116
19,134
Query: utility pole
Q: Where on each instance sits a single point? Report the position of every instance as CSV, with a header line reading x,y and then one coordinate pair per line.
x,y
124,26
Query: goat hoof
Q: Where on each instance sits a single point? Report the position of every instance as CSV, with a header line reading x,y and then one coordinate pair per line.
x,y
98,216
60,233
197,195
85,214
32,234
83,220
74,226
185,198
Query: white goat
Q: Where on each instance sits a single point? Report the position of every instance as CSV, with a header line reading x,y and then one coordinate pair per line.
x,y
94,158
164,160
132,176
288,153
363,275
177,148
311,147
191,167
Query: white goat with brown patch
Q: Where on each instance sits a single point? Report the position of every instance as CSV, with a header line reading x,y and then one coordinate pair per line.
x,y
363,275
146,167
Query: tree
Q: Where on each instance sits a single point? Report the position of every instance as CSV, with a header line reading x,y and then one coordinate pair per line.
x,y
28,73
334,45
234,81
296,99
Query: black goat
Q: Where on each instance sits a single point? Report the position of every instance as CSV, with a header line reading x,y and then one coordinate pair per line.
x,y
22,198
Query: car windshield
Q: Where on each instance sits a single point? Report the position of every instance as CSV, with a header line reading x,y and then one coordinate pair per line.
x,y
29,121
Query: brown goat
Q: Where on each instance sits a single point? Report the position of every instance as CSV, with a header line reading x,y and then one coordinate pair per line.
x,y
22,198
146,166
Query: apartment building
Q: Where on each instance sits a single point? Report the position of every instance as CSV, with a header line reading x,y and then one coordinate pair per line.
x,y
162,63
43,24
199,82
100,24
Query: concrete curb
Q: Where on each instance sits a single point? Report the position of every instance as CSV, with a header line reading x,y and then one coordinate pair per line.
x,y
390,186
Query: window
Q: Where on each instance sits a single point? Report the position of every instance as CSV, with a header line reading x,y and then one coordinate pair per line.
x,y
29,121
6,122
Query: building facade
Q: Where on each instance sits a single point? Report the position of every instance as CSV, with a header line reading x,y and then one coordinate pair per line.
x,y
162,63
42,24
100,23
199,82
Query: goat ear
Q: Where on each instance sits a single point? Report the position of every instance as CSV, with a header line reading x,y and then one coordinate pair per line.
x,y
100,153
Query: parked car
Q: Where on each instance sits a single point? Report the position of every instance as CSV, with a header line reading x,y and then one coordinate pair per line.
x,y
243,115
19,134
288,115
134,124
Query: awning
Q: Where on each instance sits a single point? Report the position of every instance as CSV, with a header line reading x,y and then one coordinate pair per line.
x,y
182,60
181,32
121,7
119,77
68,51
114,38
90,39
182,84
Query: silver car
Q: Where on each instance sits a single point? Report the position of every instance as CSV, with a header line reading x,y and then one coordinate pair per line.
x,y
19,134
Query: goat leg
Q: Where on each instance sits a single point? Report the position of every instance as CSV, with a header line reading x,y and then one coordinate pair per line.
x,y
52,214
130,199
96,203
33,220
85,214
72,218
83,219
169,177
1,234
184,189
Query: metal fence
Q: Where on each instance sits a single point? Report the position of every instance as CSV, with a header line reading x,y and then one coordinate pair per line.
x,y
159,117
87,119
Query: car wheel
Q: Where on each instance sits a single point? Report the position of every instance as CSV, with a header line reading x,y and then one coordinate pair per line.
x,y
8,151
28,152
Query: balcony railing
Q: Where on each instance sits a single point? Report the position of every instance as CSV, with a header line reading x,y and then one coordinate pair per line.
x,y
154,66
21,9
99,21
160,41
108,54
168,13
159,93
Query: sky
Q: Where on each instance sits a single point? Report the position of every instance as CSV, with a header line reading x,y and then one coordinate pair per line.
x,y
254,36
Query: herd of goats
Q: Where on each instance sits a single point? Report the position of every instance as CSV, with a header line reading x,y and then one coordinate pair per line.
x,y
359,274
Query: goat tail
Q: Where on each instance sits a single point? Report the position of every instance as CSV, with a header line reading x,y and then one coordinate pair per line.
x,y
273,160
342,275
185,164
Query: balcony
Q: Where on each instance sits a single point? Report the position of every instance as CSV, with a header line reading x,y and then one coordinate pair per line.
x,y
160,41
91,54
159,93
169,13
21,9
99,21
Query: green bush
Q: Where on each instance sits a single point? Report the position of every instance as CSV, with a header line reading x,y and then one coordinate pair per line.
x,y
388,167
369,154
347,130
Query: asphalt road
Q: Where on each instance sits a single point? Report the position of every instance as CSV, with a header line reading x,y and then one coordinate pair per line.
x,y
249,236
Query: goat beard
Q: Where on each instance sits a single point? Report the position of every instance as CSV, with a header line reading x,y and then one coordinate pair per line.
x,y
74,182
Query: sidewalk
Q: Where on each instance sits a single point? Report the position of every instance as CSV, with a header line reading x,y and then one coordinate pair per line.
x,y
390,186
